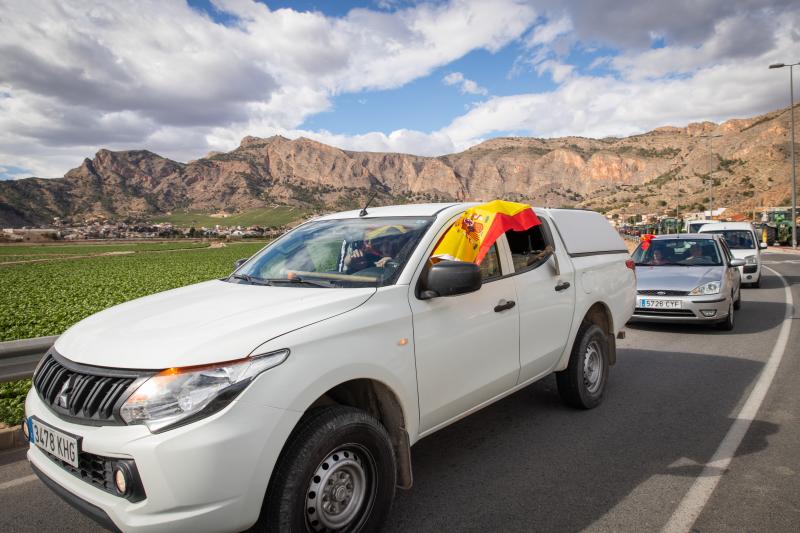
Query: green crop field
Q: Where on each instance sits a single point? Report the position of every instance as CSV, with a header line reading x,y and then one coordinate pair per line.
x,y
45,298
265,217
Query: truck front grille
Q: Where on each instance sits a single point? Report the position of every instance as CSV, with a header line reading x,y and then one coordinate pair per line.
x,y
84,394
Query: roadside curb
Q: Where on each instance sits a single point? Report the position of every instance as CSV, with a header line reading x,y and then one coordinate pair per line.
x,y
11,438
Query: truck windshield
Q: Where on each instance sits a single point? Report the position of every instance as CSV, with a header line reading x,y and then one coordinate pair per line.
x,y
681,252
740,239
353,252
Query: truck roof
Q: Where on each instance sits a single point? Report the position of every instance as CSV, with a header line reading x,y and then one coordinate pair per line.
x,y
406,210
716,226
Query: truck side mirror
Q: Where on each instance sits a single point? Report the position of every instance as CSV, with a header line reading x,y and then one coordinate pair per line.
x,y
737,262
449,278
762,245
239,262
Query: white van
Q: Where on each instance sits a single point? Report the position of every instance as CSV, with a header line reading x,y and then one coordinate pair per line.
x,y
743,242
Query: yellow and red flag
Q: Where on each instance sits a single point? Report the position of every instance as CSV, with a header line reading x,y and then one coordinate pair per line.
x,y
471,236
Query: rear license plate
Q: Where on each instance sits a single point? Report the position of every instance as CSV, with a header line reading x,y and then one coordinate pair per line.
x,y
659,304
55,442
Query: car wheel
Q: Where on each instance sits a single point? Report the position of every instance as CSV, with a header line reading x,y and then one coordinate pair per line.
x,y
583,383
738,303
727,324
336,473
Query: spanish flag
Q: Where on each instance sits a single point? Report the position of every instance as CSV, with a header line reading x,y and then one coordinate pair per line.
x,y
471,236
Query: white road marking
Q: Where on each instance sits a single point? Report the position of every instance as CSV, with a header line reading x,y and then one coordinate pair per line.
x,y
700,492
18,481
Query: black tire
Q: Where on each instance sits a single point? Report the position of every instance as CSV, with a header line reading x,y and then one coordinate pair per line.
x,y
738,303
576,389
334,439
728,323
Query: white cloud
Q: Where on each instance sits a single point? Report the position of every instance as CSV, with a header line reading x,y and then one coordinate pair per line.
x,y
558,71
78,76
465,85
548,32
600,106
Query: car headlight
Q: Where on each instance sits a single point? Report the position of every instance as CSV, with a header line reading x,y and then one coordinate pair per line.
x,y
750,260
177,396
712,287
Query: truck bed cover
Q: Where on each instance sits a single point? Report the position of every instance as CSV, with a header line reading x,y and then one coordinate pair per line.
x,y
586,232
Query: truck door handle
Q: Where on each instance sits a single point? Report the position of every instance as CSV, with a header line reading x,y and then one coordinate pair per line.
x,y
503,305
562,286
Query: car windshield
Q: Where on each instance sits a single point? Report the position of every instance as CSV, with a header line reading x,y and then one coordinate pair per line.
x,y
738,239
353,252
682,252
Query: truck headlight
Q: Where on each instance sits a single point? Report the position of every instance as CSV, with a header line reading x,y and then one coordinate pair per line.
x,y
750,260
712,287
177,396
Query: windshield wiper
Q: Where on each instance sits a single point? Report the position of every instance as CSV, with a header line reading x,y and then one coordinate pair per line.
x,y
297,280
251,279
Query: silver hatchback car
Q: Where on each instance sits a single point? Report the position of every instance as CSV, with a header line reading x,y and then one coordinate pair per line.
x,y
687,278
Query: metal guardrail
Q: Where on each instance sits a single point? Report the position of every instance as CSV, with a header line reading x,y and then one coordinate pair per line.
x,y
18,359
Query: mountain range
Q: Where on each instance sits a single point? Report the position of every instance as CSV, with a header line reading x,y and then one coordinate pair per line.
x,y
740,163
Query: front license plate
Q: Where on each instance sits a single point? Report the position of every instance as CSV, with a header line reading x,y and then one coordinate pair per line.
x,y
62,445
659,304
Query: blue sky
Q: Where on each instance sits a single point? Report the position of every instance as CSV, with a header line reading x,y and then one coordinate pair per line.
x,y
428,77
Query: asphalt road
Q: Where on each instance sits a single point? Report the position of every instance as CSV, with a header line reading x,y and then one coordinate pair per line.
x,y
527,463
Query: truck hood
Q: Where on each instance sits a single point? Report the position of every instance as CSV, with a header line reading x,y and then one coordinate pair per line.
x,y
676,278
199,324
741,254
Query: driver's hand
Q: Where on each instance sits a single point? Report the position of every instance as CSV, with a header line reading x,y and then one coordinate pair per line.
x,y
353,255
380,263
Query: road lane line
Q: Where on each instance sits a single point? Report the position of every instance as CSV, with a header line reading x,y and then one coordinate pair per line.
x,y
700,492
18,481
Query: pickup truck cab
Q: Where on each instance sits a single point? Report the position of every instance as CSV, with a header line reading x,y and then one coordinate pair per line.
x,y
286,396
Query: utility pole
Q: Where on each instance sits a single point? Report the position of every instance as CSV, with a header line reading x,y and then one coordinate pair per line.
x,y
711,168
794,171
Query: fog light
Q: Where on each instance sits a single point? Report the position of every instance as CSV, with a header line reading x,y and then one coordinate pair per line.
x,y
121,480
749,277
708,312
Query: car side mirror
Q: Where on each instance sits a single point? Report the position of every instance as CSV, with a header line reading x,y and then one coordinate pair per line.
x,y
449,278
762,245
737,262
239,262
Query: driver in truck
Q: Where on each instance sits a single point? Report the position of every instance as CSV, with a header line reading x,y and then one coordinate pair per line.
x,y
375,250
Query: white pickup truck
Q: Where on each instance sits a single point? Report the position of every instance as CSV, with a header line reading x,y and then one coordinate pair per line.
x,y
286,397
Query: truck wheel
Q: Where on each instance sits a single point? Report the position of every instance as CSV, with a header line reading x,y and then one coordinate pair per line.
x,y
336,473
583,383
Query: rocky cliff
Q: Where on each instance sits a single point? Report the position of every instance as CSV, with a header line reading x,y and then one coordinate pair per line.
x,y
741,163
